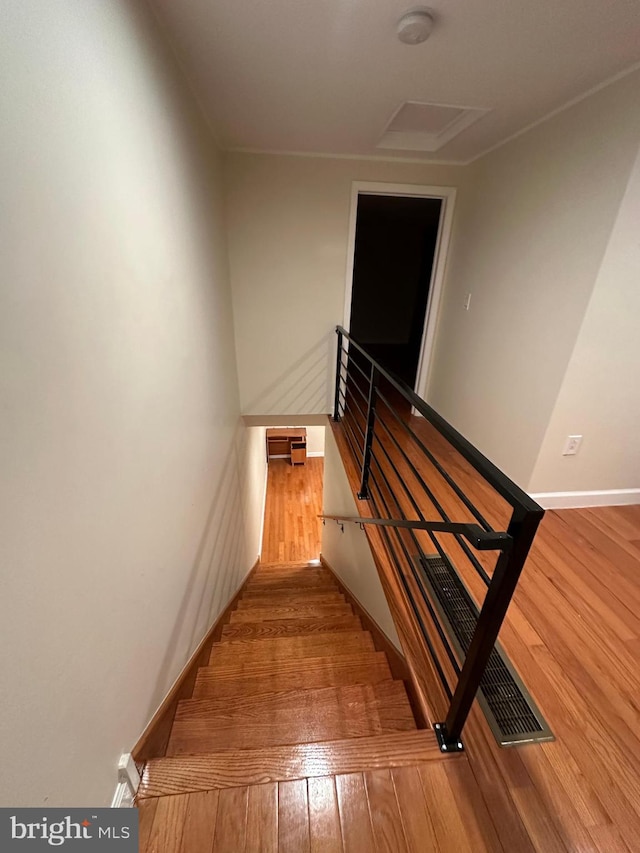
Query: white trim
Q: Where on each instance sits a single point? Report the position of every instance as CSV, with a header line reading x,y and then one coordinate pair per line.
x,y
122,798
576,500
325,155
435,161
314,453
566,106
128,783
448,197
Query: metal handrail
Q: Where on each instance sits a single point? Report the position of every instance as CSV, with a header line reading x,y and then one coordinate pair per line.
x,y
512,546
473,533
505,487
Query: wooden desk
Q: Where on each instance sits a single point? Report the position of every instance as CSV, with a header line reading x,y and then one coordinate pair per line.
x,y
280,441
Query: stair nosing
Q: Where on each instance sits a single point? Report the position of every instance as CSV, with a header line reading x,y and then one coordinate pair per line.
x,y
288,762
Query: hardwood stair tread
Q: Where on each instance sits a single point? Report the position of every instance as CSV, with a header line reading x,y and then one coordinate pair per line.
x,y
237,767
300,611
287,700
285,648
302,572
290,627
294,586
266,599
253,677
290,717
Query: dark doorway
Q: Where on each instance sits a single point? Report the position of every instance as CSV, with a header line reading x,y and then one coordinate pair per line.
x,y
395,245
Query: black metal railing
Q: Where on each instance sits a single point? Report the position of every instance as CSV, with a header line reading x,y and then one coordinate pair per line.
x,y
420,492
482,540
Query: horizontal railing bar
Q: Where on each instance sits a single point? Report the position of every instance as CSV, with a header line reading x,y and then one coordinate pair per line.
x,y
432,612
439,508
350,433
434,539
500,482
436,464
352,422
359,390
479,538
354,447
418,616
431,535
352,362
357,405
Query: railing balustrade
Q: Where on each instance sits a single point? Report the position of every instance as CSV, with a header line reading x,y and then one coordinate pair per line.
x,y
393,459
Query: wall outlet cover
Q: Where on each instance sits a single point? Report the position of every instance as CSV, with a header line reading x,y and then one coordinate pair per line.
x,y
571,445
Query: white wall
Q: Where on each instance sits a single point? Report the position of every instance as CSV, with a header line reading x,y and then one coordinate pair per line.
x,y
119,436
253,467
348,552
600,395
531,233
288,230
315,440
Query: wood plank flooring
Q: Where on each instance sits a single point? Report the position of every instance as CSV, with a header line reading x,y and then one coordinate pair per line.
x,y
292,529
573,632
415,808
292,734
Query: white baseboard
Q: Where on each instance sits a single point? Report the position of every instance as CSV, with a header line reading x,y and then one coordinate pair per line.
x,y
123,798
128,783
576,500
313,453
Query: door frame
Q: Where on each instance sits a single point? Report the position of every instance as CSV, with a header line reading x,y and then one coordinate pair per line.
x,y
448,197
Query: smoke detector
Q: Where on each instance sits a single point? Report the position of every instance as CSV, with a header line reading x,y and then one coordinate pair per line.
x,y
415,27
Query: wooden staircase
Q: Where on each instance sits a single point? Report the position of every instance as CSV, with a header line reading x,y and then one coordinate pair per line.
x,y
294,688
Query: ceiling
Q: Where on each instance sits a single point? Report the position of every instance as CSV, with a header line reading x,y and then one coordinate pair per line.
x,y
327,76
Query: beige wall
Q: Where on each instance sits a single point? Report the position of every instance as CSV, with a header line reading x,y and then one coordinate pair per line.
x,y
121,448
528,246
252,459
315,440
348,552
288,232
600,395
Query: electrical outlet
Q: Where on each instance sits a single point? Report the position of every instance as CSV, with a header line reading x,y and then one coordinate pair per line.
x,y
572,445
467,301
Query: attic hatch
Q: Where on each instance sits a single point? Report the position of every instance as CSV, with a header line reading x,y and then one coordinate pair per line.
x,y
416,126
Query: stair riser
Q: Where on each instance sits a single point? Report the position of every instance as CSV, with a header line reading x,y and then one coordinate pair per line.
x,y
303,611
208,736
289,628
308,597
212,684
235,768
290,587
233,652
275,571
298,716
352,699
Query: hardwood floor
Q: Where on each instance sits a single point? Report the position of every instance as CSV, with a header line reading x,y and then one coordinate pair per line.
x,y
292,529
573,632
296,734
